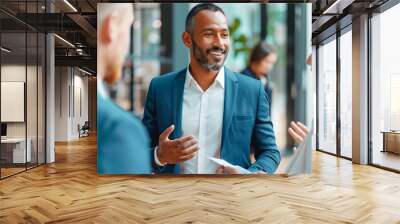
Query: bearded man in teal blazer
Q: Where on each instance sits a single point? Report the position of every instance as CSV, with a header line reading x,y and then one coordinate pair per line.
x,y
206,110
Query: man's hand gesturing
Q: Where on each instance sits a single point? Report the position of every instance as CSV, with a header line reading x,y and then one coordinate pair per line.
x,y
177,150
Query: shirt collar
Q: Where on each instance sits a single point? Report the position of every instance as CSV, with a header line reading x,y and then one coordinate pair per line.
x,y
101,89
220,79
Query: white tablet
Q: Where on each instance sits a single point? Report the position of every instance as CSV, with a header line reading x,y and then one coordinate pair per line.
x,y
222,162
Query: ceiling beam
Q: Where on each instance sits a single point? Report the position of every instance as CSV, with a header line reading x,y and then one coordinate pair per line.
x,y
82,61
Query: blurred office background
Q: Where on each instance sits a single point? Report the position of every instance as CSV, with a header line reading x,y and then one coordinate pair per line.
x,y
157,48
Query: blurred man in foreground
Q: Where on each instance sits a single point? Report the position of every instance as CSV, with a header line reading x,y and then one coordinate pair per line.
x,y
122,140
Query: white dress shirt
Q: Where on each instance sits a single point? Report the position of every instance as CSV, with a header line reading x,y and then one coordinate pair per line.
x,y
202,117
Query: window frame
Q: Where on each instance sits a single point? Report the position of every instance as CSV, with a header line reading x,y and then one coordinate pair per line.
x,y
333,37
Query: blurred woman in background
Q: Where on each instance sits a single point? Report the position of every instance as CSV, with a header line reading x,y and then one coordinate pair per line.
x,y
262,60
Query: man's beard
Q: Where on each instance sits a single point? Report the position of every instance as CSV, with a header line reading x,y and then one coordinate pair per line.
x,y
201,57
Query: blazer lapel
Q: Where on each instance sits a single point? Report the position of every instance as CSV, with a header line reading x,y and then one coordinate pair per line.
x,y
231,88
177,99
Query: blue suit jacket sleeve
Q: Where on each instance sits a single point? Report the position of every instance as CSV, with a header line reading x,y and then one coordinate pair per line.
x,y
122,142
150,116
151,124
263,138
130,155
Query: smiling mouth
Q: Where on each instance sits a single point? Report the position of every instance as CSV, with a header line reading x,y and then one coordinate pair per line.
x,y
217,53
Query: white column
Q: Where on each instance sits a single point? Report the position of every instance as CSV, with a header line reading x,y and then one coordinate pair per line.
x,y
360,90
50,100
50,92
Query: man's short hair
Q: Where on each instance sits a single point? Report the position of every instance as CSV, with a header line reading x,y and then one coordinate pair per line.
x,y
200,7
105,9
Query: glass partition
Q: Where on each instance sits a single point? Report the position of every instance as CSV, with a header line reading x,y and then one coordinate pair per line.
x,y
22,87
15,151
327,96
385,85
346,94
31,98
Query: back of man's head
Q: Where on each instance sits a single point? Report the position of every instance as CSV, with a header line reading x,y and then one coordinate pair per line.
x,y
107,9
113,28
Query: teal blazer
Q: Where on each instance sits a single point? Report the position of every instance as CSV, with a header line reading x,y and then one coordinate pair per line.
x,y
122,141
246,122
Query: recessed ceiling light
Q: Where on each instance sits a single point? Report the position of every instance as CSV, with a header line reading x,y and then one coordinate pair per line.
x,y
337,7
5,50
71,6
84,71
64,40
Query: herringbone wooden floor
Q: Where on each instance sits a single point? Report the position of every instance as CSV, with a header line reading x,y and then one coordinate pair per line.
x,y
70,191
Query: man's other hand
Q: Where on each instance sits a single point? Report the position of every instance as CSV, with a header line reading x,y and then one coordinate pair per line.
x,y
298,131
